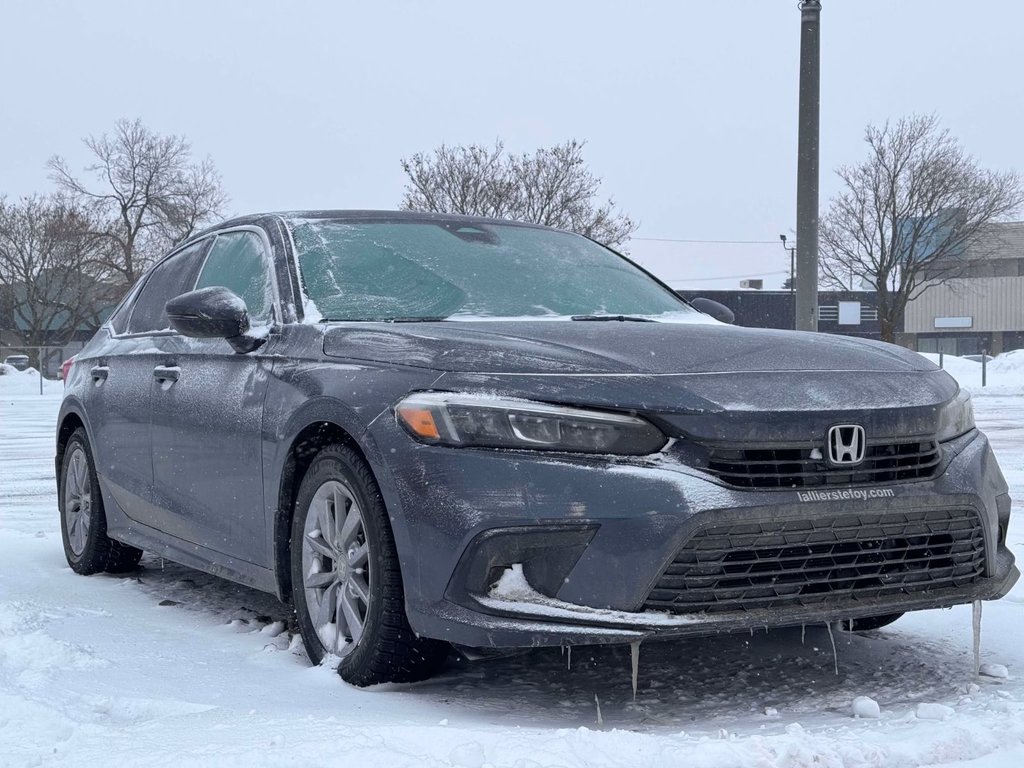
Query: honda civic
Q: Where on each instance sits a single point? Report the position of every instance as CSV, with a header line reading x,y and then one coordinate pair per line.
x,y
427,430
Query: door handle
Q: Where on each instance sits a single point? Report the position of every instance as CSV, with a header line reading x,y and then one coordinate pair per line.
x,y
99,373
166,373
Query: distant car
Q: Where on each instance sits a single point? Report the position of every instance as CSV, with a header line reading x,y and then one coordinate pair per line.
x,y
429,429
18,362
979,358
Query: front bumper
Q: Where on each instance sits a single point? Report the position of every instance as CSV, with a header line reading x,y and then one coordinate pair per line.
x,y
596,537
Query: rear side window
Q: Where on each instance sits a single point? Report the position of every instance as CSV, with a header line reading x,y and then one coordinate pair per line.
x,y
171,278
237,262
119,319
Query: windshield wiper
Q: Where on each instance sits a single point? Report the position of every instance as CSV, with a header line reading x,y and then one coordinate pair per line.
x,y
436,319
617,318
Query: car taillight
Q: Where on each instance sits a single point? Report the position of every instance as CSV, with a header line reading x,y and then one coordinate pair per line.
x,y
65,369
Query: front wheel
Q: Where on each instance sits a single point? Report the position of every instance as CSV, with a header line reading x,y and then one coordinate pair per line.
x,y
346,582
83,523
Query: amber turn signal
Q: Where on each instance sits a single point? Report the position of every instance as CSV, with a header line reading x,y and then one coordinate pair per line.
x,y
420,421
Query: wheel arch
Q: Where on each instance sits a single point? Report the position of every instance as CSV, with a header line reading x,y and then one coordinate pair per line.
x,y
70,419
323,426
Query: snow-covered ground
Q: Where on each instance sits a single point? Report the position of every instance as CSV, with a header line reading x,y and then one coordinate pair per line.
x,y
173,667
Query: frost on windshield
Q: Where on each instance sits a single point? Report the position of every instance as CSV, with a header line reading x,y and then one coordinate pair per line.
x,y
419,270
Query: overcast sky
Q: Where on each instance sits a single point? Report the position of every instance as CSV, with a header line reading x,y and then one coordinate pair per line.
x,y
689,108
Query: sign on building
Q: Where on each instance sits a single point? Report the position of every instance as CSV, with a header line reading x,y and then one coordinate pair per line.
x,y
849,313
954,322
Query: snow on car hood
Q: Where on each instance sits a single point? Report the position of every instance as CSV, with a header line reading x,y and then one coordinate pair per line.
x,y
663,367
607,347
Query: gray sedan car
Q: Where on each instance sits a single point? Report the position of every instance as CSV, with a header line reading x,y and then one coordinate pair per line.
x,y
425,430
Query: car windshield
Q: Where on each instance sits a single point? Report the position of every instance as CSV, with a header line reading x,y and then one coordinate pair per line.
x,y
423,270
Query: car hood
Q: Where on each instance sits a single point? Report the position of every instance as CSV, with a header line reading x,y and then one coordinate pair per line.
x,y
611,347
716,381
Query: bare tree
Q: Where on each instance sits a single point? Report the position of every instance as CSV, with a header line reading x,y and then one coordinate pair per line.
x,y
145,191
46,250
553,187
911,214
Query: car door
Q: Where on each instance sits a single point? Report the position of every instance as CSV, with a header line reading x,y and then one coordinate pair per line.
x,y
207,414
119,400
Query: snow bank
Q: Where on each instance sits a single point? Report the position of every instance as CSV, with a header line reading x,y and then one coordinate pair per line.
x,y
1004,374
13,381
1009,363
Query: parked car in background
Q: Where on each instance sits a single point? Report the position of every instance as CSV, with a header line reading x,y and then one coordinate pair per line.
x,y
18,362
425,430
979,358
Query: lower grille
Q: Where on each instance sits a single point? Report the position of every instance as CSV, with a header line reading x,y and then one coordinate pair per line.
x,y
806,467
790,563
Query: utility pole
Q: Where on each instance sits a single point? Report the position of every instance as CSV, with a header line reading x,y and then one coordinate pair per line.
x,y
792,276
807,168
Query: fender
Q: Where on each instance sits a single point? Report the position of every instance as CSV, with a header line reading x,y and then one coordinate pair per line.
x,y
70,406
280,437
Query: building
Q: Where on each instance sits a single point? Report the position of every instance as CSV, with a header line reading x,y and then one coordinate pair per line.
x,y
51,341
849,313
982,309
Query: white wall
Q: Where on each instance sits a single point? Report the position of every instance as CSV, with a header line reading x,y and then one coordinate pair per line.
x,y
994,303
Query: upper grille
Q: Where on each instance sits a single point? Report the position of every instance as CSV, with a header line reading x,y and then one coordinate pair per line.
x,y
795,468
780,563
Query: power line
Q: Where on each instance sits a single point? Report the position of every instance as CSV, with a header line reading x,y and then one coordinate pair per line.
x,y
722,277
680,240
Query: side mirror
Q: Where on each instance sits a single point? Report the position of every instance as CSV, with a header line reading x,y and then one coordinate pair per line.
x,y
718,311
213,313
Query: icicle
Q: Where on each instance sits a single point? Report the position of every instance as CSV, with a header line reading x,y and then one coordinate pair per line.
x,y
835,656
634,653
803,632
600,720
568,657
976,625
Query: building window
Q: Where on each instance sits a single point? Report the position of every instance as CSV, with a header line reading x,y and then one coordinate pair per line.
x,y
953,344
936,344
830,313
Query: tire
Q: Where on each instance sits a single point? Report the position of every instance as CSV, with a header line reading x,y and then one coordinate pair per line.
x,y
868,623
83,522
353,574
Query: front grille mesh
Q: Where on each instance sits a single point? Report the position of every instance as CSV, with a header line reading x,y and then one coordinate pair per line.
x,y
790,563
805,467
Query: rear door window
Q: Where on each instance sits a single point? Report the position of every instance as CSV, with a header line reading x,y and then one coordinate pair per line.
x,y
237,261
171,278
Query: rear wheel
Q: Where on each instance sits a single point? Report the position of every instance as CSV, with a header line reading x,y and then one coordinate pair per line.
x,y
346,581
868,623
83,522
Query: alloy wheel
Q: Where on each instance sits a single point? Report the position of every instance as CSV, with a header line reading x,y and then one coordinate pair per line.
x,y
336,567
77,500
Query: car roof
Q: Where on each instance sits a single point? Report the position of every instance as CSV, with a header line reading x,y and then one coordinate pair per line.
x,y
361,215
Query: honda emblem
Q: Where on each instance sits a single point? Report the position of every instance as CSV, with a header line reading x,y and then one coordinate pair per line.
x,y
846,444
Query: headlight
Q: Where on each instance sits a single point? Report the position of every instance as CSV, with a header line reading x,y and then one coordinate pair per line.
x,y
467,420
956,418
